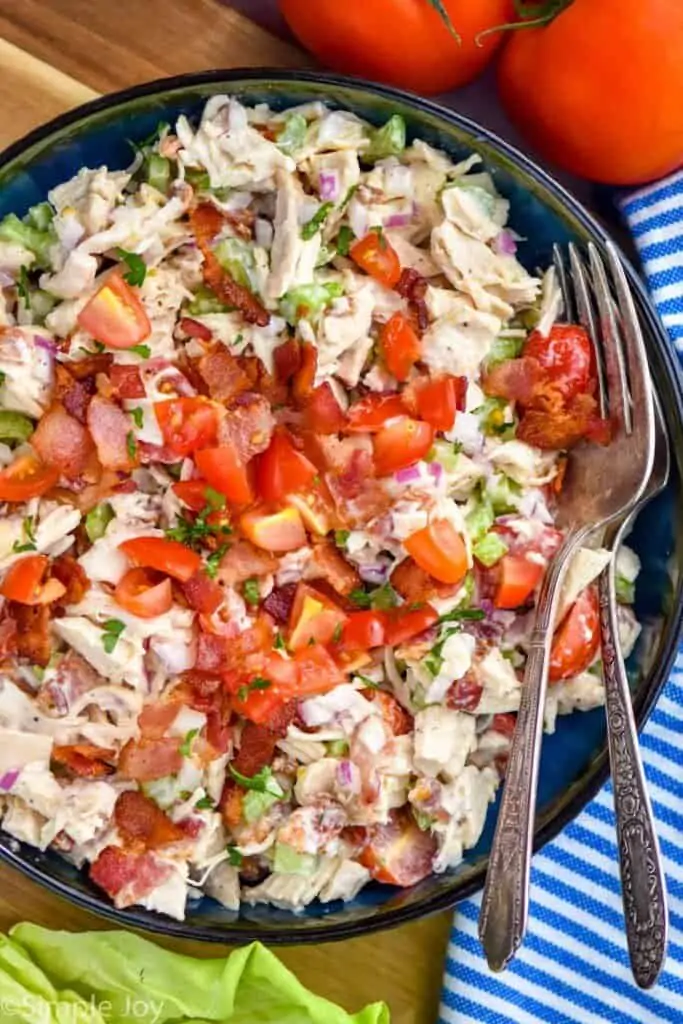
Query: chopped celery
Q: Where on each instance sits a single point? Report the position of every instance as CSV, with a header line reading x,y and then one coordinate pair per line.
x,y
325,256
16,231
288,861
344,240
489,550
293,135
493,418
14,426
308,301
41,304
205,301
337,748
389,140
97,521
40,216
446,453
503,493
486,201
313,226
158,170
237,257
625,590
255,804
503,349
480,520
200,180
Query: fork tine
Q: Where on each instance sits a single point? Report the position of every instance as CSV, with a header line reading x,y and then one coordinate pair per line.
x,y
587,319
636,356
615,364
563,282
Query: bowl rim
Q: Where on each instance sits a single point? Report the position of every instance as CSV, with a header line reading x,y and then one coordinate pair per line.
x,y
669,371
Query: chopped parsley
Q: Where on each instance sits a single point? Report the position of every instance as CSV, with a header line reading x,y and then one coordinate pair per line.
x,y
337,635
205,803
234,856
312,226
344,239
369,684
131,445
29,544
185,747
434,660
137,268
144,351
214,499
251,592
214,560
279,642
192,532
341,537
381,598
3,378
258,683
262,782
23,286
460,614
138,416
111,631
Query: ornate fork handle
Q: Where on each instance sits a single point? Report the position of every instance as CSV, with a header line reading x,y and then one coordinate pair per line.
x,y
505,901
642,878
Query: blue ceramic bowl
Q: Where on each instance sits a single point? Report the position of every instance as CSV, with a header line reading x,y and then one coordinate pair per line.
x,y
574,763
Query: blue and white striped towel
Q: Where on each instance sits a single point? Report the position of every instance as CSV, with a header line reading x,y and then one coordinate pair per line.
x,y
573,967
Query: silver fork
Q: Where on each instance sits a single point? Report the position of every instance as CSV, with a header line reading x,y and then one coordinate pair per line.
x,y
601,486
643,883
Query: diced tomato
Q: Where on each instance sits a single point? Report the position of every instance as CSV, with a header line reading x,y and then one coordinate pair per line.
x,y
364,630
566,356
138,593
371,413
192,493
438,399
147,759
85,760
518,579
188,423
302,384
399,853
23,582
225,472
203,594
61,441
126,381
114,315
396,717
128,877
274,531
26,477
314,619
400,346
282,469
167,556
440,550
194,329
258,706
110,428
287,359
577,638
405,623
142,822
374,254
322,412
400,444
317,672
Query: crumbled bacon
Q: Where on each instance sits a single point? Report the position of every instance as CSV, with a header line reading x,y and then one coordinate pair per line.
x,y
248,426
202,593
67,570
141,823
242,562
464,694
8,631
504,723
90,366
210,652
287,359
280,602
396,717
230,803
413,286
128,877
33,631
76,398
85,760
63,442
147,759
417,586
110,427
559,425
194,329
328,562
517,380
223,374
74,677
126,381
154,719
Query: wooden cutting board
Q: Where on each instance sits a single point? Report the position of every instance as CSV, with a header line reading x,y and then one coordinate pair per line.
x,y
54,55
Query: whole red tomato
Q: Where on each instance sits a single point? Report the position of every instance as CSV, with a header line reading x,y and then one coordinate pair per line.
x,y
402,42
598,90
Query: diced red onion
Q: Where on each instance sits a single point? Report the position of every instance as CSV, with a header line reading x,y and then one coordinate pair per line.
x,y
46,343
8,779
6,280
328,185
375,573
407,475
397,220
504,244
436,470
345,773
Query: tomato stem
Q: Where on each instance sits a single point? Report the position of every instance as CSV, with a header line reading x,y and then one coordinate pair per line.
x,y
532,14
445,17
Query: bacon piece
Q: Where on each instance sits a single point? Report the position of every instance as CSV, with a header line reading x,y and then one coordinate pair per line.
x,y
63,442
329,564
257,747
110,428
248,426
90,366
242,562
517,380
8,635
194,329
126,381
77,398
210,653
280,602
147,759
504,723
416,586
142,823
202,593
154,719
464,694
223,374
230,803
67,570
558,425
287,359
33,631
128,877
157,453
413,286
74,677
396,717
85,759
